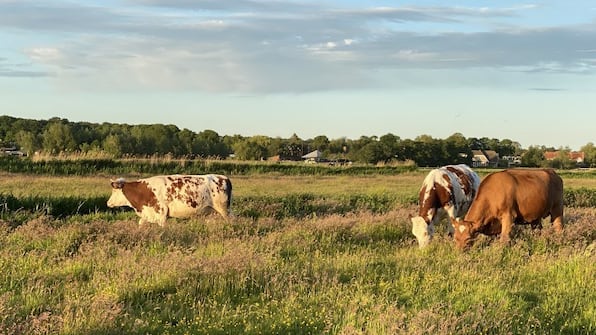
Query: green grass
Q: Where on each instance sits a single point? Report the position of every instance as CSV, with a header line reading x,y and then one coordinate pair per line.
x,y
338,258
354,273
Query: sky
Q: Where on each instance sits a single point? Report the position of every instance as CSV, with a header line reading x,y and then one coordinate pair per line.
x,y
524,71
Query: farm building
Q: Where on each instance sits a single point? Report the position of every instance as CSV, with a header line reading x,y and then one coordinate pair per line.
x,y
313,156
577,156
485,158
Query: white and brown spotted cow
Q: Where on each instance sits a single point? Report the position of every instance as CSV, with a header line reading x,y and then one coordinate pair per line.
x,y
447,190
156,198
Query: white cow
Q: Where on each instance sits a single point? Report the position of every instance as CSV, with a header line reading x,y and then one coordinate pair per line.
x,y
449,189
156,198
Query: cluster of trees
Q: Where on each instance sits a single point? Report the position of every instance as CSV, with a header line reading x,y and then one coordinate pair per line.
x,y
58,135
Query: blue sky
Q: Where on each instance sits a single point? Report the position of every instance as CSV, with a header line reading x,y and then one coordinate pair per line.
x,y
524,71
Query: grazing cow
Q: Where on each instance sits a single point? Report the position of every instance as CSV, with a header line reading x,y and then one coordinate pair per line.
x,y
156,198
446,190
509,197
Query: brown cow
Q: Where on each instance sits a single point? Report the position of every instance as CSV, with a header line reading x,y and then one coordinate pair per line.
x,y
509,197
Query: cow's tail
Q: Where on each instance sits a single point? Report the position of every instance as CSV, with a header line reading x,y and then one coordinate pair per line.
x,y
228,193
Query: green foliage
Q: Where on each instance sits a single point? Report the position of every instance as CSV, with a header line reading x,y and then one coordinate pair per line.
x,y
55,206
58,136
82,167
533,157
590,154
580,197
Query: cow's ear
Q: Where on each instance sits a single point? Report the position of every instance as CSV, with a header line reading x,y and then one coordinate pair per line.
x,y
119,183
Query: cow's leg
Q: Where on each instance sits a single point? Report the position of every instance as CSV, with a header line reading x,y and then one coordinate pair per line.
x,y
506,228
221,209
452,215
556,216
142,220
536,224
162,215
557,221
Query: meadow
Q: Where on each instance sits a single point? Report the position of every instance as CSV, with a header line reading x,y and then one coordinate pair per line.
x,y
305,253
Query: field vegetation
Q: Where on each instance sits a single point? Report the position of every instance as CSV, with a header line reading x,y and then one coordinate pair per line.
x,y
305,253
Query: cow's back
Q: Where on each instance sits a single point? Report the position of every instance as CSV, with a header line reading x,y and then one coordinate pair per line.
x,y
538,193
185,195
528,194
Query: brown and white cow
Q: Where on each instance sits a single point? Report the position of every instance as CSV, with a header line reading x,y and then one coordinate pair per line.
x,y
156,198
447,190
515,196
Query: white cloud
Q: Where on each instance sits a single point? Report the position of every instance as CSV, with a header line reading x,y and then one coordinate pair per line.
x,y
44,54
415,55
275,46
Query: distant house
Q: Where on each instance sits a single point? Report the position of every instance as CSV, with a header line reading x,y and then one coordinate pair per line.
x,y
577,156
479,159
12,151
276,158
512,160
485,158
313,156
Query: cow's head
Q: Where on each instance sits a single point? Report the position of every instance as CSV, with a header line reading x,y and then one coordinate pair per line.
x,y
117,198
422,230
464,233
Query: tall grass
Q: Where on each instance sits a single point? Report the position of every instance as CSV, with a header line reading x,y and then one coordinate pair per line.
x,y
337,258
340,274
292,205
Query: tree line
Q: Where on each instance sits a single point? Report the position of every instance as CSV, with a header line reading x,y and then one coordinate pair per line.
x,y
57,136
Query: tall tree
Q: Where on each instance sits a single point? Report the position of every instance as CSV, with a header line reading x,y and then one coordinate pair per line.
x,y
457,150
112,145
57,138
590,154
533,157
389,144
27,141
320,142
252,148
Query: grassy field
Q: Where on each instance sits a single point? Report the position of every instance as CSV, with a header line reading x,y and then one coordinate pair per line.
x,y
331,271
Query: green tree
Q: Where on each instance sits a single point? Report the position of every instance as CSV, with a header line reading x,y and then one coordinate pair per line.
x,y
320,142
406,150
57,138
389,144
457,150
212,144
508,147
253,148
186,138
112,144
533,157
590,154
429,151
292,148
27,141
339,146
372,153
